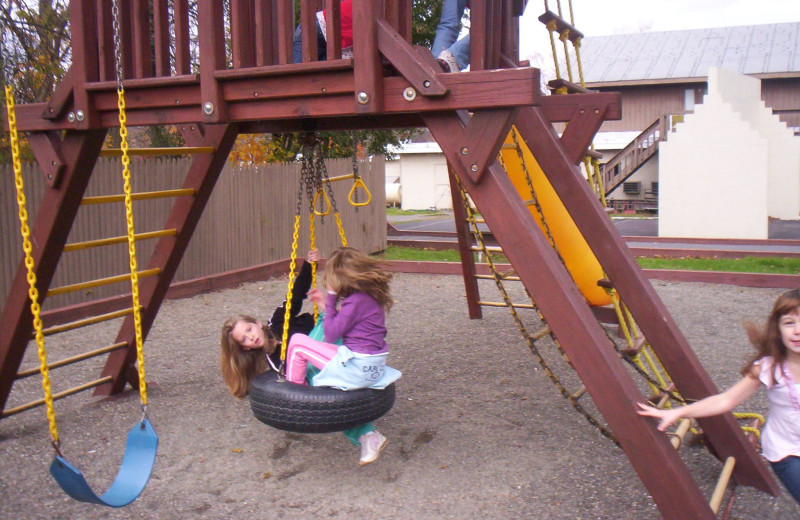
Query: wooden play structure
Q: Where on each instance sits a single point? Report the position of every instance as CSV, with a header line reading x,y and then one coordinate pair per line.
x,y
248,84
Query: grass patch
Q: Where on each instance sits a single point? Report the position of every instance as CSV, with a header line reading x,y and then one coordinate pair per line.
x,y
748,264
398,211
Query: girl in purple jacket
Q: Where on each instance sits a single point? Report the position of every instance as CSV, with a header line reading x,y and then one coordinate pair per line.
x,y
355,303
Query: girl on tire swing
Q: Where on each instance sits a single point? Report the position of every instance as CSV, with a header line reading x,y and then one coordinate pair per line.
x,y
355,282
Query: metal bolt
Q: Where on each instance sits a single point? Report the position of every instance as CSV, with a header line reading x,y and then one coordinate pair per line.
x,y
79,115
71,117
255,94
208,108
474,167
324,90
426,83
409,94
464,151
362,97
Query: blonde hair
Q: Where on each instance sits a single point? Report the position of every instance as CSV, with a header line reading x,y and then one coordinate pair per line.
x,y
349,270
239,366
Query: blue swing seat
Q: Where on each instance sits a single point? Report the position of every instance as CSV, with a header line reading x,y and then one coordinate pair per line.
x,y
137,464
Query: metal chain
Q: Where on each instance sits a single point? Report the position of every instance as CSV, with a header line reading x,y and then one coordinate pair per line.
x,y
126,178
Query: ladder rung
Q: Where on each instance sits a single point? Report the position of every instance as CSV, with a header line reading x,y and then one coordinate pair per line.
x,y
722,484
490,249
544,331
572,88
119,240
100,282
60,395
510,278
145,195
594,154
560,25
638,343
172,150
509,146
86,321
676,437
578,393
74,359
503,304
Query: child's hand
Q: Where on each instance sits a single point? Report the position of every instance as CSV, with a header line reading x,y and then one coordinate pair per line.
x,y
317,296
667,416
313,255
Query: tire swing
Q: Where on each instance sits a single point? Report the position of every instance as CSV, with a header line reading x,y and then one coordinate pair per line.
x,y
313,409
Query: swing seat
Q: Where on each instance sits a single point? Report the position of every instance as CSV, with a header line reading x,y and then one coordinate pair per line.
x,y
315,409
137,464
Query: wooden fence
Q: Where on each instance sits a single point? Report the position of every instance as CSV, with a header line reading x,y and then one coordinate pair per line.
x,y
248,221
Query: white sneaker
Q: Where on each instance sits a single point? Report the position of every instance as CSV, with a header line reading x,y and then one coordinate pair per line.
x,y
447,57
372,444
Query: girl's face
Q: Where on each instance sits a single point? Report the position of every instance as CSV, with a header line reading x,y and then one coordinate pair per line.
x,y
789,325
249,335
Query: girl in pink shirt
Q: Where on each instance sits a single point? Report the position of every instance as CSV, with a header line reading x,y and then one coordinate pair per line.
x,y
777,367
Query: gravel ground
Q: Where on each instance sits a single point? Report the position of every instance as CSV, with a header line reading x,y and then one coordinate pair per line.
x,y
478,431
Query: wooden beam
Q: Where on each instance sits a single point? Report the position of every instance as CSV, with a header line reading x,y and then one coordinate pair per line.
x,y
642,300
576,328
48,235
168,251
368,95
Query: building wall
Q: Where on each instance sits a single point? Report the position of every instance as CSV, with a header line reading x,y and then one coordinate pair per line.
x,y
643,104
425,181
729,166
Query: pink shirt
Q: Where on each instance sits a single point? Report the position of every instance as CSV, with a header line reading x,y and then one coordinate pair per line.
x,y
781,435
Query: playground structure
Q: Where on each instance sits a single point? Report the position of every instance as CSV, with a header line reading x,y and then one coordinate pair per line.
x,y
388,83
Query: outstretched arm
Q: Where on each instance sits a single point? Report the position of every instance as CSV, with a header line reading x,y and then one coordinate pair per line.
x,y
711,405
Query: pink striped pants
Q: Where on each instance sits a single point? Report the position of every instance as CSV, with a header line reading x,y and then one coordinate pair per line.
x,y
303,350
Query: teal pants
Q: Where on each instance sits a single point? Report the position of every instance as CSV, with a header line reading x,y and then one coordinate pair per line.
x,y
353,434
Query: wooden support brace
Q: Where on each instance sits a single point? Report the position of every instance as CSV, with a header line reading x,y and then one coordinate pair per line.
x,y
407,60
46,147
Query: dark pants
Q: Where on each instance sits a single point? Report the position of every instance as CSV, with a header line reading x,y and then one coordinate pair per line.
x,y
297,44
788,472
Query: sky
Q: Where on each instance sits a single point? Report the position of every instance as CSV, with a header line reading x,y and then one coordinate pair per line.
x,y
604,17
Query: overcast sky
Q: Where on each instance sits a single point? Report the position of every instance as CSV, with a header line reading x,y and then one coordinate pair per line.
x,y
603,17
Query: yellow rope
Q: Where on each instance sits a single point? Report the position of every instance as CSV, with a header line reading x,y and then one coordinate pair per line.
x,y
126,177
33,293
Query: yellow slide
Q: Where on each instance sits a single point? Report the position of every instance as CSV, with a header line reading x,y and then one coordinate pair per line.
x,y
578,257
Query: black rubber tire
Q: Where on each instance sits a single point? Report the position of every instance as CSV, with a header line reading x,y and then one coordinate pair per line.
x,y
315,409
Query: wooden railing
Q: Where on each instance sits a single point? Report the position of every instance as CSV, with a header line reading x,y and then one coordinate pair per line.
x,y
635,155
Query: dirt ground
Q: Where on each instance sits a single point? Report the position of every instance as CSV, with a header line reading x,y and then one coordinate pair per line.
x,y
478,431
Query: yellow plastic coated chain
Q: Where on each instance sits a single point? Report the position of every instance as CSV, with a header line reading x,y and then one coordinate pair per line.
x,y
126,177
292,265
33,293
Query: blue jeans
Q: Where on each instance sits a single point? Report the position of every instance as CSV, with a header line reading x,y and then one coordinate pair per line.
x,y
788,472
447,33
297,45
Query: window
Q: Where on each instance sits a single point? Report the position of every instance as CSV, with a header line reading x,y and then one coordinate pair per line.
x,y
632,188
654,188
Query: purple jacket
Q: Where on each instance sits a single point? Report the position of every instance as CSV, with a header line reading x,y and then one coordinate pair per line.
x,y
360,322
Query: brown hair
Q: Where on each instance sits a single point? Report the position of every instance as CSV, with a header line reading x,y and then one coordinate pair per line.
x,y
767,338
239,366
349,270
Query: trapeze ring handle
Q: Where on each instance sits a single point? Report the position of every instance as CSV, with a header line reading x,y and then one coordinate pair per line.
x,y
137,464
359,183
326,201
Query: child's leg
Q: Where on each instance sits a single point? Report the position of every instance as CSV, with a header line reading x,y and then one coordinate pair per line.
x,y
304,350
788,472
